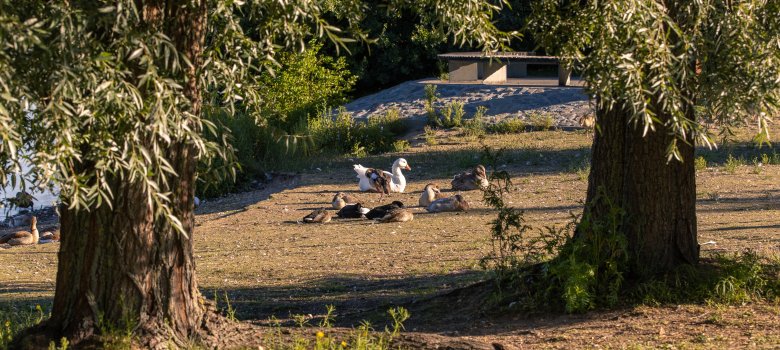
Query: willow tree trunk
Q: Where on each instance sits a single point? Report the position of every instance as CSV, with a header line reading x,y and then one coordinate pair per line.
x,y
124,268
657,195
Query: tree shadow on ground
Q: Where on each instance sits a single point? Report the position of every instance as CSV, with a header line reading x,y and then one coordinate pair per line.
x,y
449,304
352,295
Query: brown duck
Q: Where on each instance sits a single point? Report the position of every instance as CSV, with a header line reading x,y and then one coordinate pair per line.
x,y
473,180
454,203
318,216
397,215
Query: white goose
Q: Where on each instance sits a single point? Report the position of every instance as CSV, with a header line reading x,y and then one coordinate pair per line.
x,y
397,179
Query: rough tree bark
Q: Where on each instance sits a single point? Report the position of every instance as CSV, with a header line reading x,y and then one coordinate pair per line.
x,y
122,266
658,196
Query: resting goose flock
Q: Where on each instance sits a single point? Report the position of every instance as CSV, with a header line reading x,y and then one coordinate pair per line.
x,y
353,211
383,182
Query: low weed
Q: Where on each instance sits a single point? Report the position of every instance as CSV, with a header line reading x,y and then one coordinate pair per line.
x,y
343,135
16,318
475,127
580,167
541,121
732,164
722,279
700,163
430,136
508,126
758,166
228,309
364,337
118,336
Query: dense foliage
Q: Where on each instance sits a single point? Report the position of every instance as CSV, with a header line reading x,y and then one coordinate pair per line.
x,y
91,92
658,59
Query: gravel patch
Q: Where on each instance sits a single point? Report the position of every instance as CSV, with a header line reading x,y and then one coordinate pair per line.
x,y
565,104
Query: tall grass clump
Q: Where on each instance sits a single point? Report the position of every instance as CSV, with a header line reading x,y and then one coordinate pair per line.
x,y
700,163
541,121
507,126
723,278
475,127
341,134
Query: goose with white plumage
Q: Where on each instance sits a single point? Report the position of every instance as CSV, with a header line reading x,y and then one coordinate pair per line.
x,y
370,179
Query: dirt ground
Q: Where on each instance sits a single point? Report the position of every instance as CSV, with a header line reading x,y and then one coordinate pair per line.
x,y
253,247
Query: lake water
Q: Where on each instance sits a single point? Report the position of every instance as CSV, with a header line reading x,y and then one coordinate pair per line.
x,y
45,199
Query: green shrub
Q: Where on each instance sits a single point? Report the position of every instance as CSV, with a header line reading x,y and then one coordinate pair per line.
x,y
475,127
343,135
700,163
458,112
450,116
508,126
304,82
430,136
732,164
541,121
430,94
734,278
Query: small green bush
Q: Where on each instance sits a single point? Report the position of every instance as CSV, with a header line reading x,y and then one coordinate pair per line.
x,y
541,121
450,116
430,93
430,136
343,135
508,126
700,163
475,127
732,164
